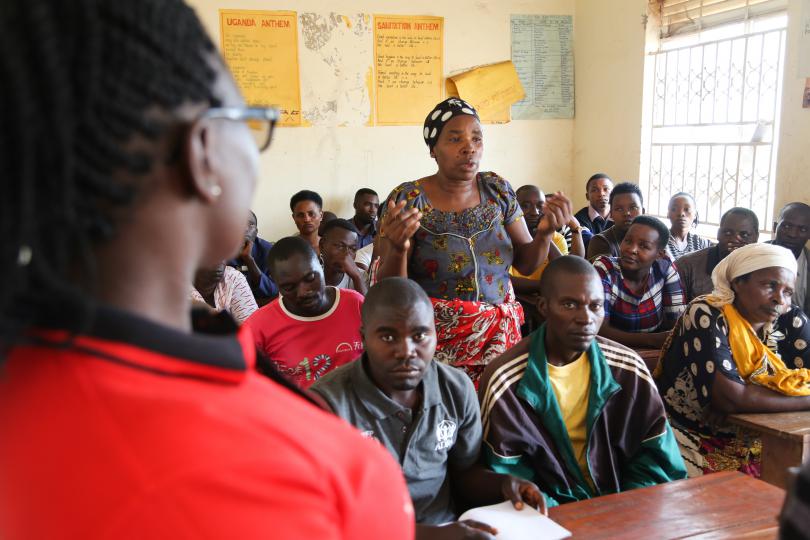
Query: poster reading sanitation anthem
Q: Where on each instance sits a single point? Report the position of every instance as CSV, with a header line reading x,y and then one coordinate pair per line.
x,y
408,72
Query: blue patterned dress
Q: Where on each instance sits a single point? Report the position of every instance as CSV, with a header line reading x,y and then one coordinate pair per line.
x,y
462,260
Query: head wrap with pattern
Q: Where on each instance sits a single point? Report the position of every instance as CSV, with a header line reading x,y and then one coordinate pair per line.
x,y
443,113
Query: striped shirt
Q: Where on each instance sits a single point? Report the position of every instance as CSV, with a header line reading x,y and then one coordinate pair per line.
x,y
232,294
693,243
660,300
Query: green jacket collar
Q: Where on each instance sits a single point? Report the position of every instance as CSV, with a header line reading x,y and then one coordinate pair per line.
x,y
534,387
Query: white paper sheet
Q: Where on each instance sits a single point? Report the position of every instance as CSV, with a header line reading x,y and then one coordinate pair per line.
x,y
526,524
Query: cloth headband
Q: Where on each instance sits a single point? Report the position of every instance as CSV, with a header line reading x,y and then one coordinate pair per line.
x,y
743,261
443,113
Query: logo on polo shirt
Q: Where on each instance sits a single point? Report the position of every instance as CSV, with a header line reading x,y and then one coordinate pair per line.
x,y
445,431
348,347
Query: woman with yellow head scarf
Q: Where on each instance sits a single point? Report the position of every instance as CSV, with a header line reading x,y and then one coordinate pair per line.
x,y
748,333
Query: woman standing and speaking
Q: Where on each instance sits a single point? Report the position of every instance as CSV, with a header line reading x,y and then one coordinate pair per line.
x,y
456,233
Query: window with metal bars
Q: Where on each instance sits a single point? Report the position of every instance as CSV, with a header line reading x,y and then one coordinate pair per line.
x,y
712,101
686,16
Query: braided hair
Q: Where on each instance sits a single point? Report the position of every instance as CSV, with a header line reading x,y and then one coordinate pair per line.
x,y
79,78
80,82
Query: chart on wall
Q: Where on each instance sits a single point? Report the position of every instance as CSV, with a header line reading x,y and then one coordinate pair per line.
x,y
261,49
408,67
336,71
543,54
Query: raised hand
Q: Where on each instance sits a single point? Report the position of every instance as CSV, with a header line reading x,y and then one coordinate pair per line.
x,y
557,213
399,225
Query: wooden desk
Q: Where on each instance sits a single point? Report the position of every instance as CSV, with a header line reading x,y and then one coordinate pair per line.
x,y
720,505
785,441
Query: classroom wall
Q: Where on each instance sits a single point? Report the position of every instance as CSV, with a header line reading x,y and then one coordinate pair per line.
x,y
609,70
605,136
793,159
335,161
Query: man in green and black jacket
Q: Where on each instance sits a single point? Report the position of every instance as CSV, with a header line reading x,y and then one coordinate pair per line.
x,y
577,414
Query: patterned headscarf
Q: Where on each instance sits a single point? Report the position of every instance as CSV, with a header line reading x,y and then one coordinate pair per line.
x,y
743,261
441,114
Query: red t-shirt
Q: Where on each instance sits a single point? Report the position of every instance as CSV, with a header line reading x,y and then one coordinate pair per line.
x,y
306,348
139,431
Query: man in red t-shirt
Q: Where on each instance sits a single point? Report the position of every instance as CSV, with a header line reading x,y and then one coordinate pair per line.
x,y
310,329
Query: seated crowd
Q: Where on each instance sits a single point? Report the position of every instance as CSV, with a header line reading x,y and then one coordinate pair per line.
x,y
551,406
488,339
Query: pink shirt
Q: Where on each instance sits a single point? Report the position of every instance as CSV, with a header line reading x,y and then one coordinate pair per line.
x,y
306,348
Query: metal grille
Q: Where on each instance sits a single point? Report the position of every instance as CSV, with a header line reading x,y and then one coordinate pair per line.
x,y
714,117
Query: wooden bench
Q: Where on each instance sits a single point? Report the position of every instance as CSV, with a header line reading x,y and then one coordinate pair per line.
x,y
785,441
720,505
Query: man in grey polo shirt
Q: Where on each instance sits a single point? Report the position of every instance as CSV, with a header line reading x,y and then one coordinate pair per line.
x,y
425,413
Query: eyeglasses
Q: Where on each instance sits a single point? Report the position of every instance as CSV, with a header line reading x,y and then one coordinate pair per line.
x,y
259,120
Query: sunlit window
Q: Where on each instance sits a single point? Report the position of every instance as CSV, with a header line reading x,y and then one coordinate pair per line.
x,y
711,119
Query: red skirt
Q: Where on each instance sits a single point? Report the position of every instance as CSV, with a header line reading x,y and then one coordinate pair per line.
x,y
471,334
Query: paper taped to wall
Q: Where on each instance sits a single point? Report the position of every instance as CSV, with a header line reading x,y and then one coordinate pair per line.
x,y
408,72
491,89
261,49
543,53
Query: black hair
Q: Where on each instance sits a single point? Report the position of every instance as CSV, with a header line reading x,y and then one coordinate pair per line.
x,y
286,248
694,204
795,205
624,188
745,212
658,225
364,191
527,187
338,223
597,176
82,79
393,292
569,265
326,217
306,195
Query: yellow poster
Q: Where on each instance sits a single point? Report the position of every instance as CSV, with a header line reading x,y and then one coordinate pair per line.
x,y
261,49
490,89
407,67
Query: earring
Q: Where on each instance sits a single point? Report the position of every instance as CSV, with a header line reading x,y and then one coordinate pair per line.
x,y
24,255
320,258
215,191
